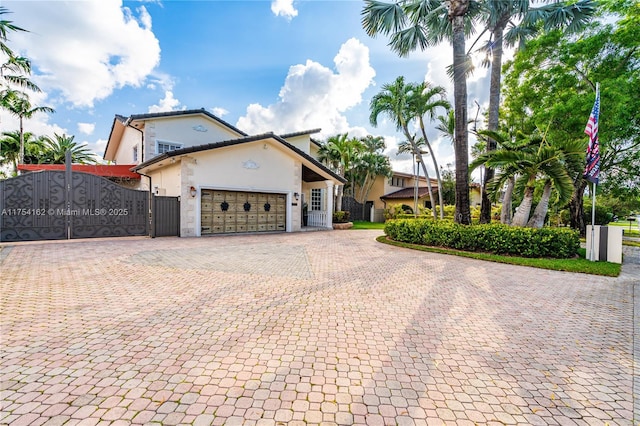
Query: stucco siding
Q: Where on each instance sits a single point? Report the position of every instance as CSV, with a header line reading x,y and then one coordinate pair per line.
x,y
301,142
166,181
186,131
131,138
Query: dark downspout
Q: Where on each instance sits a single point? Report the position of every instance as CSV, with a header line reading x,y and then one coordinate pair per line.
x,y
152,230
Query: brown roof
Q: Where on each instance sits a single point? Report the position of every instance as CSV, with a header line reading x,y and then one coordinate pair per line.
x,y
405,193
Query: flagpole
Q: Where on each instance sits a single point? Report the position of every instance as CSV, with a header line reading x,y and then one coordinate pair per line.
x,y
593,204
593,224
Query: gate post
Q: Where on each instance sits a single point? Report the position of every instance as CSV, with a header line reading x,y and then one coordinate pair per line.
x,y
68,180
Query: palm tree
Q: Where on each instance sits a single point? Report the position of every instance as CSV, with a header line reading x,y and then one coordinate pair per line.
x,y
422,103
10,149
394,102
366,167
536,158
414,24
521,22
12,72
55,150
20,106
413,147
338,152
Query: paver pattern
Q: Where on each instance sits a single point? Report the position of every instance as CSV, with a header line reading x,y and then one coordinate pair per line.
x,y
307,328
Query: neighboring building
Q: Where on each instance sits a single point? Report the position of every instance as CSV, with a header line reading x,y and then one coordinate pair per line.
x,y
227,181
400,189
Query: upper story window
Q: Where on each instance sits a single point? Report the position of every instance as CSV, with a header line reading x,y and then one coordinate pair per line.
x,y
163,147
397,181
135,154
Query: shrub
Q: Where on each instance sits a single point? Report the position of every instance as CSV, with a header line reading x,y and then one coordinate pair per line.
x,y
492,238
341,216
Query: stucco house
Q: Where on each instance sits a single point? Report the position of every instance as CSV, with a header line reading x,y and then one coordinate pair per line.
x,y
400,188
228,181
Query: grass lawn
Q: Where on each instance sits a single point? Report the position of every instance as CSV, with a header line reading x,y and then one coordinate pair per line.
x,y
627,231
360,224
580,264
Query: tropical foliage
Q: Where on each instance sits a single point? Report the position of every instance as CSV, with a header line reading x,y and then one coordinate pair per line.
x,y
551,85
417,24
358,160
15,84
407,103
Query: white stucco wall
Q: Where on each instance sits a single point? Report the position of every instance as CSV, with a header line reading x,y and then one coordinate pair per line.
x,y
130,138
166,180
251,167
301,142
185,130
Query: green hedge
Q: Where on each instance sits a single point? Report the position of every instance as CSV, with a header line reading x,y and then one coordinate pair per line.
x,y
491,238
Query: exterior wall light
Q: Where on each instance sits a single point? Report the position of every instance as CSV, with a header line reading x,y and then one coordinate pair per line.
x,y
193,191
296,196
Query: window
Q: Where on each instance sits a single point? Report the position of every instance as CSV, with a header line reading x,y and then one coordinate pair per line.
x,y
135,154
396,181
316,199
167,146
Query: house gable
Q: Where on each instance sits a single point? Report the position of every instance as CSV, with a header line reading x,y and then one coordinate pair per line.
x,y
145,135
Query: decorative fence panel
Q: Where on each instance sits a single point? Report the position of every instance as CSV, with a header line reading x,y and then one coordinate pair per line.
x,y
51,205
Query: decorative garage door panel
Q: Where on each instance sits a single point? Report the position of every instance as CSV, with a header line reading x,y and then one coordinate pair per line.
x,y
229,212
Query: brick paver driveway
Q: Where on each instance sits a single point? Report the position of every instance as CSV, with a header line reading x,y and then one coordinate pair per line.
x,y
307,328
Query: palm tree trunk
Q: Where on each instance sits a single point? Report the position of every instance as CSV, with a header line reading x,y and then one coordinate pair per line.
x,y
506,213
457,10
339,198
435,164
426,175
537,219
576,209
21,154
494,107
522,213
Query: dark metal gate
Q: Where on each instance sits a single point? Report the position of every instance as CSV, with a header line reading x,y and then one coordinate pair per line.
x,y
54,205
166,217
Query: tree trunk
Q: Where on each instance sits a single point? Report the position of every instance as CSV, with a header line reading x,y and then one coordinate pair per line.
x,y
339,198
426,175
494,107
21,153
522,213
506,213
576,208
435,164
461,143
537,220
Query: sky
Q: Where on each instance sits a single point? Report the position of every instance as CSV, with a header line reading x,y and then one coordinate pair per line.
x,y
262,65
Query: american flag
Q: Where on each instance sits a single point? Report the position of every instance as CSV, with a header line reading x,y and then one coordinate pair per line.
x,y
592,170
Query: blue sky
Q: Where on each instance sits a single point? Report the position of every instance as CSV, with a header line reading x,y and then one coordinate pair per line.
x,y
261,65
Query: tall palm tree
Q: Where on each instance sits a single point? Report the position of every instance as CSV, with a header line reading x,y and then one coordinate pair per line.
x,y
55,150
413,24
422,103
19,105
393,101
413,147
521,21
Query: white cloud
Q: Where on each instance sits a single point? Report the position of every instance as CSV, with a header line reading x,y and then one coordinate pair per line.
x,y
316,96
168,103
86,128
284,8
219,112
84,50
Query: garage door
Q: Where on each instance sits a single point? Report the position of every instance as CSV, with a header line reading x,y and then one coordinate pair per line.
x,y
230,212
